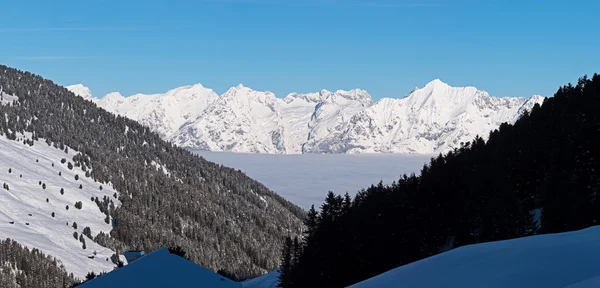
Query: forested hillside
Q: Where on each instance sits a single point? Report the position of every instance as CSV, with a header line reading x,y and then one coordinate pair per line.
x,y
25,268
547,162
223,219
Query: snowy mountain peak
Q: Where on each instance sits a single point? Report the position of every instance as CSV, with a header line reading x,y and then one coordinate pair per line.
x,y
437,83
243,92
112,97
240,89
190,89
80,90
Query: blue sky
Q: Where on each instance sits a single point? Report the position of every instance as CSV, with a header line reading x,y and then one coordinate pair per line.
x,y
388,47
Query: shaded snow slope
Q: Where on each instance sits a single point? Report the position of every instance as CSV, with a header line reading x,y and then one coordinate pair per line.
x,y
305,179
431,119
28,166
554,260
269,280
161,269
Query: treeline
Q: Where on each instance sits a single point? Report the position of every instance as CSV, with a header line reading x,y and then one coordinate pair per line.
x,y
21,267
545,164
216,213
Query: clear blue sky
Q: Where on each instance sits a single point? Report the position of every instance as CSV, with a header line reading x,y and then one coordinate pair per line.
x,y
506,47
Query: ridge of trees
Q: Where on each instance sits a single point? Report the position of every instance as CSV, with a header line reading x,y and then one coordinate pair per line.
x,y
546,164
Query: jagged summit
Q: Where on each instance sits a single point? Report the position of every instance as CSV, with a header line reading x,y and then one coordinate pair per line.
x,y
430,119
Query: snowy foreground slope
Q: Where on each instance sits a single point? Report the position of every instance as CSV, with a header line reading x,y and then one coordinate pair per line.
x,y
305,179
269,280
431,119
161,269
26,216
554,260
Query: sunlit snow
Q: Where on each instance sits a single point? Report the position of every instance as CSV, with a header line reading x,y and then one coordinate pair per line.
x,y
25,205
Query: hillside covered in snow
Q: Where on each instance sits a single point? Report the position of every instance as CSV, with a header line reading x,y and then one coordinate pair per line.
x,y
46,203
431,119
562,260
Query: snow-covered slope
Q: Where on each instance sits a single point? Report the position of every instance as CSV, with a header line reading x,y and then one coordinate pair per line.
x,y
269,280
161,269
431,119
26,207
554,260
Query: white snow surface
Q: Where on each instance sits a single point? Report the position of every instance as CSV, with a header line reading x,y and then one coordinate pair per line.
x,y
553,260
25,196
431,119
305,179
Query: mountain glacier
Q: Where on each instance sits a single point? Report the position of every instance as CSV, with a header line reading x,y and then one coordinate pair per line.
x,y
431,119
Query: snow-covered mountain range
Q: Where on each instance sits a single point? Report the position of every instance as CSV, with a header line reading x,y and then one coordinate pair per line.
x,y
431,119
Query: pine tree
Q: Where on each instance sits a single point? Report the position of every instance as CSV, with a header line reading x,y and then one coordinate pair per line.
x,y
310,222
285,268
297,250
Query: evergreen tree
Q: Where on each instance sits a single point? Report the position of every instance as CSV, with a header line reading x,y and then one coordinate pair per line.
x,y
311,222
285,268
